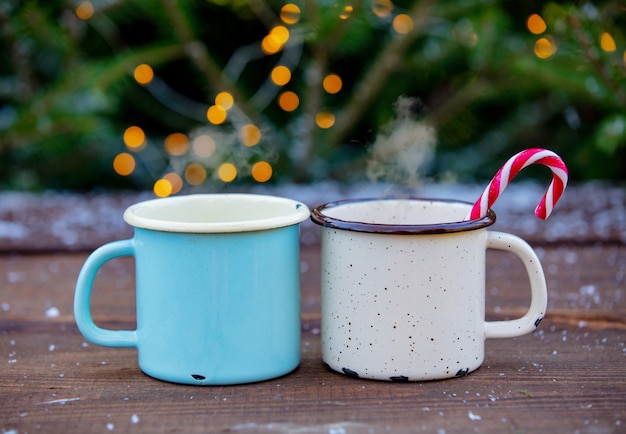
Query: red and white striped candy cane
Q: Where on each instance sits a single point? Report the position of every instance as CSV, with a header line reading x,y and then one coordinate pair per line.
x,y
511,168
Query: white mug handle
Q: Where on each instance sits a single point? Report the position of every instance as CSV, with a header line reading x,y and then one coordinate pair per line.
x,y
538,288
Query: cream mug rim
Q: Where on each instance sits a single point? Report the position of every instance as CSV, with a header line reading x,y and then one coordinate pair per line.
x,y
279,212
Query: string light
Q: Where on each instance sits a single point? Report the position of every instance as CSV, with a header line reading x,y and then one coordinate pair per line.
x,y
175,181
227,172
250,135
332,83
288,101
280,75
535,24
124,164
195,174
545,48
162,188
84,11
177,144
143,74
216,114
607,42
225,100
134,138
382,8
402,24
261,171
347,11
325,120
203,146
290,13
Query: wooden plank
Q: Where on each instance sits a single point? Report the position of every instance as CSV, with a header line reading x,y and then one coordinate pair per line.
x,y
565,377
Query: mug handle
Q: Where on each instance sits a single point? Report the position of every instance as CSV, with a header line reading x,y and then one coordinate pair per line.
x,y
538,289
82,297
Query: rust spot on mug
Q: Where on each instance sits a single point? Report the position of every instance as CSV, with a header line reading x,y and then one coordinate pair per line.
x,y
198,377
400,379
350,373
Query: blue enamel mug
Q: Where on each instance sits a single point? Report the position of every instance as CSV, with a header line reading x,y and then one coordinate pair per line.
x,y
217,288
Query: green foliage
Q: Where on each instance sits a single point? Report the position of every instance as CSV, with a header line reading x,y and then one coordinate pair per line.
x,y
67,92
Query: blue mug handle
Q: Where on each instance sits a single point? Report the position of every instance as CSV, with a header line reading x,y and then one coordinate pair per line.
x,y
82,297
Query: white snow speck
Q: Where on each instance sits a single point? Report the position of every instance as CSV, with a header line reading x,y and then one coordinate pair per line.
x,y
51,347
473,416
110,426
134,418
52,312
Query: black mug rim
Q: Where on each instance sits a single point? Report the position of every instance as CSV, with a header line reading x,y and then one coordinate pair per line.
x,y
318,217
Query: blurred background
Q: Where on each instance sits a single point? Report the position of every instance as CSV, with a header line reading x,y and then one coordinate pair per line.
x,y
175,96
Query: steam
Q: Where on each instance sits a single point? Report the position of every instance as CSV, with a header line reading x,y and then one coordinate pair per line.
x,y
403,150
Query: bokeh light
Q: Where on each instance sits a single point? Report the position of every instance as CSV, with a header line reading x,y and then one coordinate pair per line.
x,y
250,135
227,172
162,188
332,83
216,114
382,8
195,174
545,48
175,181
261,171
124,164
281,75
290,13
325,120
143,74
607,42
134,138
347,11
402,24
85,10
177,144
225,100
280,34
203,146
535,24
269,45
288,101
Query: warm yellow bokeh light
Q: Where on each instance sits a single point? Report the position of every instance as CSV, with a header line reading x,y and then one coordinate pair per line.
x,y
325,120
195,174
269,45
402,24
332,83
203,146
227,172
225,100
288,101
175,181
134,138
281,75
162,188
382,8
290,13
280,35
124,164
607,42
536,24
177,144
262,171
250,135
84,11
347,11
544,48
216,114
143,74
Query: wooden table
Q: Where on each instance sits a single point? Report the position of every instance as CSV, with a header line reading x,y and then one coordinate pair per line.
x,y
568,376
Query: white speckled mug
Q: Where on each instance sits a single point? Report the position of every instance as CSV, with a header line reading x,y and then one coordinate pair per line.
x,y
403,288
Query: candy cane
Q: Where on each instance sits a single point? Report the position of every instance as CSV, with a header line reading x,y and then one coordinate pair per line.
x,y
511,168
